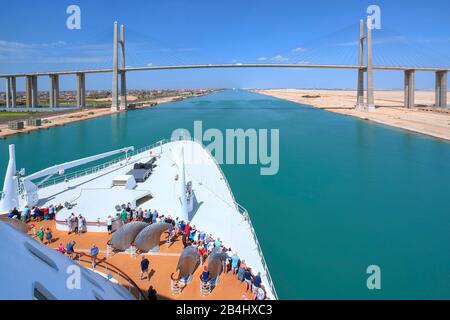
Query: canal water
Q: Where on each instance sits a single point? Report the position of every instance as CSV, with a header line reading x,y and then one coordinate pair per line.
x,y
349,194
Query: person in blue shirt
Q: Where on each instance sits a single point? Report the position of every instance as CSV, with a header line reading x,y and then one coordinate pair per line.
x,y
24,215
70,249
257,280
235,263
205,275
144,268
94,253
154,216
248,278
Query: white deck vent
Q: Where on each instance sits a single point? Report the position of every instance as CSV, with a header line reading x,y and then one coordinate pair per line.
x,y
126,181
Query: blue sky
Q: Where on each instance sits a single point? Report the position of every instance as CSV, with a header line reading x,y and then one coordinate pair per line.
x,y
34,37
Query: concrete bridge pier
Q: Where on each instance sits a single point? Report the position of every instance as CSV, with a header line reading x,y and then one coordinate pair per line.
x,y
441,89
115,73
409,88
13,92
81,90
28,85
31,91
370,106
54,91
360,91
8,92
123,75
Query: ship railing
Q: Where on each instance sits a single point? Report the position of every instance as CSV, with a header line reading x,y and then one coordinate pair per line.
x,y
122,160
246,217
133,288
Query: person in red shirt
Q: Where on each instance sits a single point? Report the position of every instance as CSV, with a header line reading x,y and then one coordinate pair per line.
x,y
187,230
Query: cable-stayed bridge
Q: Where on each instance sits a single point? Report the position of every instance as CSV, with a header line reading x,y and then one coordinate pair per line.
x,y
362,50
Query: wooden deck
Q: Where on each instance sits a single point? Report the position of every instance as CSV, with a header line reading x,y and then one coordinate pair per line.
x,y
162,265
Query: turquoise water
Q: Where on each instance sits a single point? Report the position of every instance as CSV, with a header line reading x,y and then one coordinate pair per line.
x,y
349,193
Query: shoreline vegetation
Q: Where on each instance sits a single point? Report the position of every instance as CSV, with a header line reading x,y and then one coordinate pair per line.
x,y
61,117
424,118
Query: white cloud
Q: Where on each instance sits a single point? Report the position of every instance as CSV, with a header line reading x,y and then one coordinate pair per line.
x,y
298,50
262,59
279,58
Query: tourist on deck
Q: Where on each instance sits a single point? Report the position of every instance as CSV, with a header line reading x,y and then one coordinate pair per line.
x,y
51,212
218,243
241,270
202,236
49,236
140,214
260,294
187,230
32,214
205,275
152,294
81,223
45,211
124,216
37,214
61,249
170,235
144,268
147,217
10,214
70,223
235,263
227,265
256,283
25,213
202,252
40,234
192,234
210,246
70,249
94,253
154,216
109,224
14,214
248,278
182,227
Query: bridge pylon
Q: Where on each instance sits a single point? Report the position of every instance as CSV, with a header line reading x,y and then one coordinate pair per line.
x,y
115,74
123,77
115,104
365,37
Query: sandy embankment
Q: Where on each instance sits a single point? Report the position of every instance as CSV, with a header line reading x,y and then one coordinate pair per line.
x,y
390,110
75,116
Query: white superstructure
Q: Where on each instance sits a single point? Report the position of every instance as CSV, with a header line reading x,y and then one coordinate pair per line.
x,y
32,271
186,183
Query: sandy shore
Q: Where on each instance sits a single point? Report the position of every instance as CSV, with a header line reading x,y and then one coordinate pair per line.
x,y
65,118
390,110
